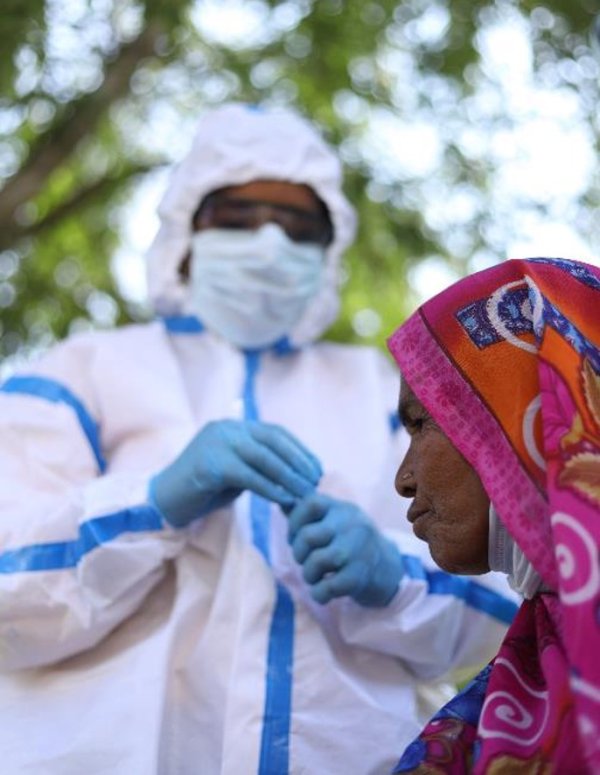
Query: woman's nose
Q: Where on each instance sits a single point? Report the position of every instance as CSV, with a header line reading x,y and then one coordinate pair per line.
x,y
405,481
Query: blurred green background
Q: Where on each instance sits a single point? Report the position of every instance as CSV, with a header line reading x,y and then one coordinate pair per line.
x,y
467,128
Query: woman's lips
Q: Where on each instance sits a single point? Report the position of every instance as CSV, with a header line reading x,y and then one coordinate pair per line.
x,y
417,520
413,516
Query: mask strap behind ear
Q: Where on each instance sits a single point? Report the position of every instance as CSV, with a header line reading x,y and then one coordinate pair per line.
x,y
505,556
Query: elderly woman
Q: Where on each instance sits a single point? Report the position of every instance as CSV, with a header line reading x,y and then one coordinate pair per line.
x,y
501,397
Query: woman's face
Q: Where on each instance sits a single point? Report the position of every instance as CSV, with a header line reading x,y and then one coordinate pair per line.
x,y
450,507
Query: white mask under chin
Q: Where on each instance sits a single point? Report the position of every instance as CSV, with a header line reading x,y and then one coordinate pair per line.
x,y
252,287
505,556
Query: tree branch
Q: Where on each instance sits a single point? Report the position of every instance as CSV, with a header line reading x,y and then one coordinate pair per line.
x,y
77,121
81,199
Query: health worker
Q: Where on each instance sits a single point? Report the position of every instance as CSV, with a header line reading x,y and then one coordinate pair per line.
x,y
203,565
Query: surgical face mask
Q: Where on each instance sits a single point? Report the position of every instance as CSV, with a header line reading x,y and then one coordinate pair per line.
x,y
252,287
504,555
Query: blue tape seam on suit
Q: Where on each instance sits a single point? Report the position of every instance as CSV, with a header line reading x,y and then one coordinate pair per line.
x,y
190,324
275,741
183,324
93,533
474,595
51,390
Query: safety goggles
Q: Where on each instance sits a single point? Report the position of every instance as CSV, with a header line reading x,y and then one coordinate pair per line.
x,y
223,211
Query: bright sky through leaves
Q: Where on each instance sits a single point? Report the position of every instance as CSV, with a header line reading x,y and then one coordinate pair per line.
x,y
469,128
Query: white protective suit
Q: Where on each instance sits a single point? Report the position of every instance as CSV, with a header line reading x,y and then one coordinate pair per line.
x,y
131,648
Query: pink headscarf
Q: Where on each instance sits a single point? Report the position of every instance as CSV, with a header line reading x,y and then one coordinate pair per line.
x,y
507,362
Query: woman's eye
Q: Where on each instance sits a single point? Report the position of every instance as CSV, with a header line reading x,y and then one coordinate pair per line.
x,y
414,424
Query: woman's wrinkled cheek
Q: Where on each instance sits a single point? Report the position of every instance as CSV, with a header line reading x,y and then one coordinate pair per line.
x,y
431,530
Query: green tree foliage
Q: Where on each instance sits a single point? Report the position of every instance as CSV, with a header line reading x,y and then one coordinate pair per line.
x,y
96,94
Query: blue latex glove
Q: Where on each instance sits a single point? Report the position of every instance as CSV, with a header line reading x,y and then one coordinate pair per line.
x,y
227,457
343,553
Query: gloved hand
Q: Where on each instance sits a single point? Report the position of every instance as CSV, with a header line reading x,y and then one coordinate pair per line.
x,y
342,552
227,457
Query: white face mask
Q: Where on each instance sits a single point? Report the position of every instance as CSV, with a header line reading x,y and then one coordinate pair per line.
x,y
251,287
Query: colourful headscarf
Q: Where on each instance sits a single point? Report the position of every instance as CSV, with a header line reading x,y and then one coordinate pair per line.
x,y
507,362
